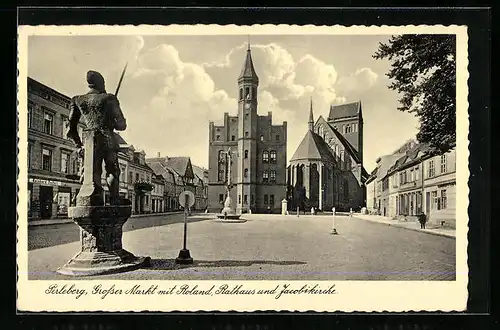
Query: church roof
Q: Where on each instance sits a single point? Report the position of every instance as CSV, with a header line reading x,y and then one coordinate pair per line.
x,y
248,70
345,110
313,147
350,149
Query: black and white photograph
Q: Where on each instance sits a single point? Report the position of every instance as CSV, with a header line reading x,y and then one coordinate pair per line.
x,y
207,160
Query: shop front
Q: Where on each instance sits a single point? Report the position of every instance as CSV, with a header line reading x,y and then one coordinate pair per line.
x,y
50,198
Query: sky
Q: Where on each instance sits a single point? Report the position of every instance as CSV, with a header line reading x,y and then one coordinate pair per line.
x,y
175,85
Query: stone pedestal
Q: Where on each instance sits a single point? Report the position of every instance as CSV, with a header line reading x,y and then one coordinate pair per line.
x,y
228,214
101,242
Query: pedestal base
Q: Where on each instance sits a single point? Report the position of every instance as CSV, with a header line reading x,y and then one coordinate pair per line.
x,y
100,263
101,242
334,232
184,257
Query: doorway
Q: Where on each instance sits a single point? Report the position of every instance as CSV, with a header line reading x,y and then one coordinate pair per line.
x,y
427,202
45,202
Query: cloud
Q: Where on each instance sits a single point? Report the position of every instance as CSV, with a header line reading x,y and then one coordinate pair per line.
x,y
169,101
174,118
361,80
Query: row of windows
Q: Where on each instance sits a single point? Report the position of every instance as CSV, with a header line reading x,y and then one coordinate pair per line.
x,y
413,174
233,137
431,170
267,156
406,176
48,121
346,128
67,166
268,199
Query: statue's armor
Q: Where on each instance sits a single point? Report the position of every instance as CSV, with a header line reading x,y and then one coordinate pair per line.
x,y
102,114
99,113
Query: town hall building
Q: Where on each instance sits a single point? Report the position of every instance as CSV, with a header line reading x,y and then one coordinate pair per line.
x,y
257,151
326,169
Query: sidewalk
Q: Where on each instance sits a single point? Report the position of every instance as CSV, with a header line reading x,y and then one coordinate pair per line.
x,y
411,225
66,220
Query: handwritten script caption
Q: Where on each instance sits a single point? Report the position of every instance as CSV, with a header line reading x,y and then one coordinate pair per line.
x,y
104,292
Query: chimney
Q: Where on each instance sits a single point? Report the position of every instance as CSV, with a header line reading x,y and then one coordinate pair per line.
x,y
158,154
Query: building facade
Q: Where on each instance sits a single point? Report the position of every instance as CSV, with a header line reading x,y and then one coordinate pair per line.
x,y
201,187
420,182
53,166
179,175
258,153
158,204
326,170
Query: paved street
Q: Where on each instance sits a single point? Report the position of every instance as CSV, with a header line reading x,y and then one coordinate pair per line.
x,y
271,248
56,234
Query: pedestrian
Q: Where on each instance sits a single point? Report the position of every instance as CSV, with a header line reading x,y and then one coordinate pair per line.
x,y
423,219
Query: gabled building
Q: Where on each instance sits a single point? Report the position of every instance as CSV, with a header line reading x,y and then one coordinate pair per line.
x,y
326,169
176,169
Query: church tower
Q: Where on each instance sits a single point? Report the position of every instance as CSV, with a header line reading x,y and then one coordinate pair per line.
x,y
248,82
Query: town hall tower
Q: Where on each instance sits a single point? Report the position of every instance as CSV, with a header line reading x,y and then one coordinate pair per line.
x,y
258,152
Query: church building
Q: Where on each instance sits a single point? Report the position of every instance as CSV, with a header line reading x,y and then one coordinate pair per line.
x,y
257,151
326,170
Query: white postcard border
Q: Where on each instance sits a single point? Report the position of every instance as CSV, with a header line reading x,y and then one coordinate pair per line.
x,y
351,296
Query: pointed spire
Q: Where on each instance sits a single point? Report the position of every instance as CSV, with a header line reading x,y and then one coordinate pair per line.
x,y
248,70
311,116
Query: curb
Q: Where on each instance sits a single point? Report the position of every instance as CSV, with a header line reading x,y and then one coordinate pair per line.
x,y
413,229
38,223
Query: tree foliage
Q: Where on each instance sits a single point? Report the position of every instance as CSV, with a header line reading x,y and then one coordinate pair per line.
x,y
423,71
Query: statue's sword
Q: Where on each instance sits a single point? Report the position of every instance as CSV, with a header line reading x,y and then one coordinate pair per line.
x,y
120,147
121,79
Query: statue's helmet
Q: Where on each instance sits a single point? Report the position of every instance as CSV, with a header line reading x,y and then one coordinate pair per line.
x,y
95,80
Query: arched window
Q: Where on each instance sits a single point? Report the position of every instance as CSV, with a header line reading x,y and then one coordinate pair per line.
x,y
262,138
336,150
241,93
246,172
273,157
272,176
265,157
348,128
246,153
265,176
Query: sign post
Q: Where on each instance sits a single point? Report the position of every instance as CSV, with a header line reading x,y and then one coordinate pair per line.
x,y
186,198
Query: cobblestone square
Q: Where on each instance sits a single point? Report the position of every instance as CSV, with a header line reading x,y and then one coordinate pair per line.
x,y
272,247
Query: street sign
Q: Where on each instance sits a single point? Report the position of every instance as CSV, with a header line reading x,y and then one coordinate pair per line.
x,y
190,198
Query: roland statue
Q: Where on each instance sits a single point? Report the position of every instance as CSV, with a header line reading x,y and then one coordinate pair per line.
x,y
102,114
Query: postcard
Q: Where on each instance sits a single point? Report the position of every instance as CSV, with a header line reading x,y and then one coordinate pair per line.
x,y
242,168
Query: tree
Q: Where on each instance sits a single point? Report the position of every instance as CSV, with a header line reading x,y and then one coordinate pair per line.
x,y
423,70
